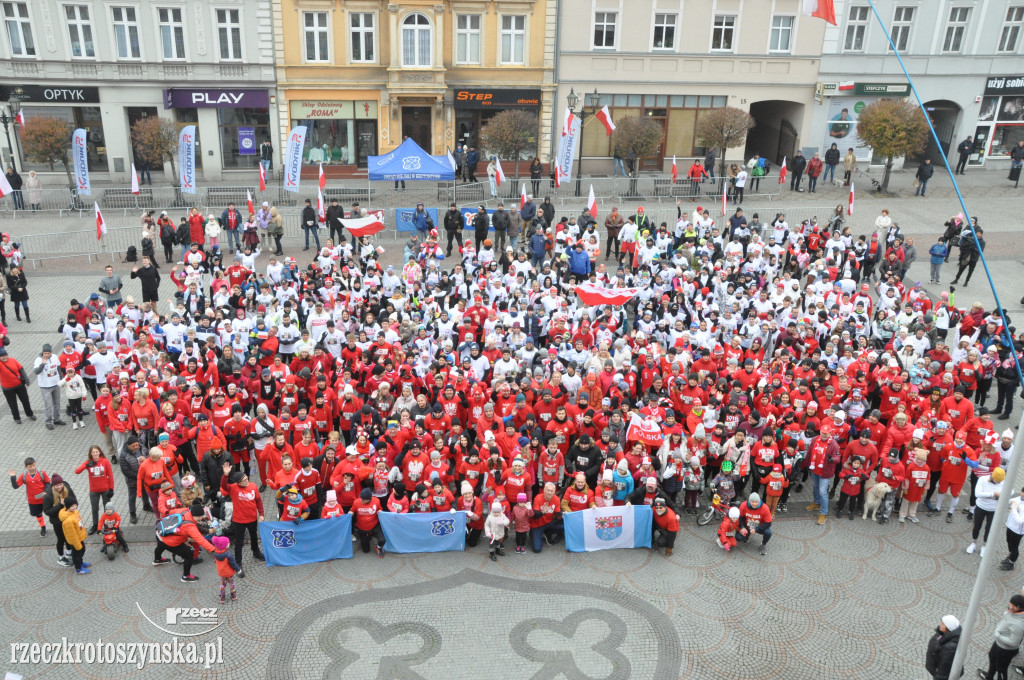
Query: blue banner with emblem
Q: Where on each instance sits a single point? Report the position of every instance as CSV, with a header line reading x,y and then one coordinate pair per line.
x,y
403,218
287,544
620,526
424,531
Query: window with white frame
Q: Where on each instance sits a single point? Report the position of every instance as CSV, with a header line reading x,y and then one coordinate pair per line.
x,y
126,32
856,27
314,26
781,38
604,29
467,39
513,38
901,23
722,32
229,34
172,33
955,29
19,29
361,25
416,41
1011,29
664,31
79,31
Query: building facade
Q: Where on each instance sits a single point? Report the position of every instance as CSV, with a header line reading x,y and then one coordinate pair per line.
x,y
673,60
102,66
964,57
363,74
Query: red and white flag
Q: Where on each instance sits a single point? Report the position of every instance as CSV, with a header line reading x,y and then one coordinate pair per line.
x,y
723,199
846,85
849,205
101,225
522,197
567,121
675,170
558,175
644,430
263,178
248,200
135,181
593,295
782,171
323,178
5,186
321,210
20,118
499,174
605,116
823,9
592,203
365,226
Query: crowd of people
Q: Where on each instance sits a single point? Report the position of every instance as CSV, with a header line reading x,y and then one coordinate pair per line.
x,y
768,356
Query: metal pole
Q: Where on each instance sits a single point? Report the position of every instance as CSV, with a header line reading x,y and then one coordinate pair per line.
x,y
998,522
579,150
7,120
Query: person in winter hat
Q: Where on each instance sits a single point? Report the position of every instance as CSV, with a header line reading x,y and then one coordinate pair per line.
x,y
623,482
74,533
522,513
665,526
494,529
226,566
331,506
727,530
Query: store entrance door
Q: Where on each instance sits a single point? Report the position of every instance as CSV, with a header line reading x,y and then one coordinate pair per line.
x,y
366,141
416,124
135,114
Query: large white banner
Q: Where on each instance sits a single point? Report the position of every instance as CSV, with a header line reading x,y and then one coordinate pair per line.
x,y
80,162
187,159
293,158
567,149
841,129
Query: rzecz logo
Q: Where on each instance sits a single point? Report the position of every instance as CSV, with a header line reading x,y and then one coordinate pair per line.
x,y
283,538
442,527
608,528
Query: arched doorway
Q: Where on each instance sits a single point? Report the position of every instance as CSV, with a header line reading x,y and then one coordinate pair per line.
x,y
774,134
945,115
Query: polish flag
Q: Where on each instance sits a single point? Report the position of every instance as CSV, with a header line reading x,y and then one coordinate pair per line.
x,y
823,9
263,178
644,429
846,85
593,295
248,200
135,181
605,116
675,170
849,205
20,118
782,171
592,203
499,174
323,178
567,121
101,225
366,226
522,197
321,212
5,186
558,175
723,199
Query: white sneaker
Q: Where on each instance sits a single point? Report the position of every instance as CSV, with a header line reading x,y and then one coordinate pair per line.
x,y
971,548
983,550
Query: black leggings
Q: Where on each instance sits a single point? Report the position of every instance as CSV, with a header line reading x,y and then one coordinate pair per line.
x,y
999,662
364,537
237,534
184,551
966,266
13,396
58,531
521,537
979,517
1012,543
934,484
855,503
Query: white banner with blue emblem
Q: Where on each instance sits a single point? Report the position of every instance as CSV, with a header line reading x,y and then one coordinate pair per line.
x,y
424,531
621,526
287,544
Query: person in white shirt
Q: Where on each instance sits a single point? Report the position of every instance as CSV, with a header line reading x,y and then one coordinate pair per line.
x,y
47,368
317,320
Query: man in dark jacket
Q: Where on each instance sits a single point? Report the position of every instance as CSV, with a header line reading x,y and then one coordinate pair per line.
x,y
529,211
964,148
211,469
831,161
231,222
16,183
969,255
52,508
472,159
335,213
500,221
942,648
924,173
453,227
796,171
149,276
309,224
129,459
481,224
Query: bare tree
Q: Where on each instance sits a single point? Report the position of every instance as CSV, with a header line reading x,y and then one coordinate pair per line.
x,y
723,129
892,128
155,140
510,134
47,140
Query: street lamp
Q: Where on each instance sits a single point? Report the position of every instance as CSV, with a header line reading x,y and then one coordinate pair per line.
x,y
7,120
572,99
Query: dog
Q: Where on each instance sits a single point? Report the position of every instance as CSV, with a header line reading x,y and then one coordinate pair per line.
x,y
873,498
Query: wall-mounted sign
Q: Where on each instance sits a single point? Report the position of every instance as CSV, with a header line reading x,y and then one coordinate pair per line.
x,y
1004,85
206,98
56,94
503,99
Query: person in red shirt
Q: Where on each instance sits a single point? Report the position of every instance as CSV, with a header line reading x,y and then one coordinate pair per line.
x,y
755,518
34,481
101,481
665,527
151,476
914,484
728,530
891,471
473,507
852,476
332,508
366,523
293,508
956,409
955,463
178,543
247,510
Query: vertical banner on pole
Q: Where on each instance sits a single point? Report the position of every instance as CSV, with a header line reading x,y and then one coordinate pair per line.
x,y
187,159
80,162
293,158
567,149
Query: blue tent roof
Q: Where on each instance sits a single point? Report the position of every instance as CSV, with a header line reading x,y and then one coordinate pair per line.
x,y
409,162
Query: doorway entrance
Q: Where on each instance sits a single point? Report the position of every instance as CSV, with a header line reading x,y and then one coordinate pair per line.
x,y
416,125
366,141
135,114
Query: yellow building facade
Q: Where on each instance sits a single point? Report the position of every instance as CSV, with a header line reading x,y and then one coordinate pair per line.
x,y
363,74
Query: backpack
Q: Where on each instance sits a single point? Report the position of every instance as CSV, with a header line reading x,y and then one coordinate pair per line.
x,y
132,254
170,525
167,232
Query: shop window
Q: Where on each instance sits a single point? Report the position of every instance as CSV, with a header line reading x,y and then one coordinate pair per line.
x,y
185,117
237,125
85,117
331,142
19,29
604,29
467,39
126,33
856,27
1011,30
172,33
416,41
1004,138
229,34
79,31
722,33
363,37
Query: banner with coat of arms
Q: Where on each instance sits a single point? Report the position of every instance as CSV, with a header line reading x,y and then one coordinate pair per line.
x,y
424,531
621,526
287,544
